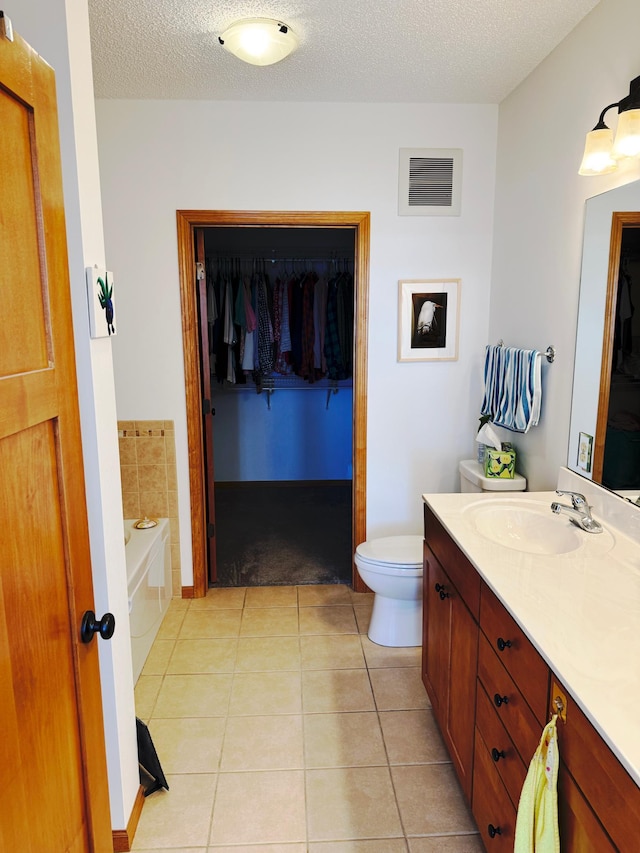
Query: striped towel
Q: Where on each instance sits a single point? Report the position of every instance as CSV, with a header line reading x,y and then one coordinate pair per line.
x,y
512,387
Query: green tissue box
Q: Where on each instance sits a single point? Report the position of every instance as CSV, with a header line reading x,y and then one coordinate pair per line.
x,y
499,464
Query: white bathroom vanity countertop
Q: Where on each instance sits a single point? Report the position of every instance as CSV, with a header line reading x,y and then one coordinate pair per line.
x,y
581,609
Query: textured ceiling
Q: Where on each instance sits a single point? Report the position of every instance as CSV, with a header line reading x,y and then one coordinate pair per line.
x,y
423,51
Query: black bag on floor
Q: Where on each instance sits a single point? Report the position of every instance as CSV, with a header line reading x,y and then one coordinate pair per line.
x,y
150,769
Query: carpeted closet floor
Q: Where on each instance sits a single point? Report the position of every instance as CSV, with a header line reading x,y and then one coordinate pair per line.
x,y
285,533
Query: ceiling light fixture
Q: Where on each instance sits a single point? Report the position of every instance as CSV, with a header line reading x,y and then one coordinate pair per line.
x,y
259,41
601,152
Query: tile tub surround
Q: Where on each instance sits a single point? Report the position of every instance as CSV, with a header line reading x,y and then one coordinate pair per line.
x,y
149,479
580,609
282,728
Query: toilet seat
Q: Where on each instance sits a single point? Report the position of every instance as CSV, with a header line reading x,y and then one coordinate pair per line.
x,y
400,553
388,569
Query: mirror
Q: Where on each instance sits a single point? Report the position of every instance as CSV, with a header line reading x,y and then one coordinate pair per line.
x,y
604,439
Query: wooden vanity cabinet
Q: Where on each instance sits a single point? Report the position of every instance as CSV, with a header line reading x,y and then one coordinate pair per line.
x,y
598,802
451,599
492,694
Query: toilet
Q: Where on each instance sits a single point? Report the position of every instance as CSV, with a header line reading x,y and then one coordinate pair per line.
x,y
392,567
472,479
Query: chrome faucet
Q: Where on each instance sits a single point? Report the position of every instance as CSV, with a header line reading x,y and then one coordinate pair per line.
x,y
579,512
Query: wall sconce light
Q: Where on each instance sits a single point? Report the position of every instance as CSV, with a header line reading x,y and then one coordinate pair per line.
x,y
601,152
259,41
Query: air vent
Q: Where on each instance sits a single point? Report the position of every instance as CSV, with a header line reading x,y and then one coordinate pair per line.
x,y
430,182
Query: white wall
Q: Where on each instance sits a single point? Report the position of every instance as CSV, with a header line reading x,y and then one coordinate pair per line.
x,y
302,436
59,31
156,157
540,208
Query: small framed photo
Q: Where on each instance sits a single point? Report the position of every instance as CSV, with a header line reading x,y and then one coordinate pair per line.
x,y
102,303
585,451
428,319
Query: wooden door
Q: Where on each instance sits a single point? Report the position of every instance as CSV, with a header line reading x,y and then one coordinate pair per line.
x,y
579,827
437,634
53,786
462,669
207,408
449,665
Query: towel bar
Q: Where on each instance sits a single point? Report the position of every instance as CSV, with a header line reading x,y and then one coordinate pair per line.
x,y
549,353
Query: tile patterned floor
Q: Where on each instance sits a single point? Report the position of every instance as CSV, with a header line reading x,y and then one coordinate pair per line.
x,y
282,728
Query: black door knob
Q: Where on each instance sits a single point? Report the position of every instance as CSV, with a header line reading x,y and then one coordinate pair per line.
x,y
90,626
497,754
494,830
500,700
503,644
442,591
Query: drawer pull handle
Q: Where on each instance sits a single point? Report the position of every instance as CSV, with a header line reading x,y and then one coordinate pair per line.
x,y
493,830
500,700
503,644
497,754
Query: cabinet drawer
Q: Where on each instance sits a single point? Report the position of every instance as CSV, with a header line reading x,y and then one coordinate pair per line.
x,y
525,666
502,752
611,792
492,809
462,573
511,708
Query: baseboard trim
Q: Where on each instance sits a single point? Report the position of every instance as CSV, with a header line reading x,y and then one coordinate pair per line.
x,y
123,838
188,592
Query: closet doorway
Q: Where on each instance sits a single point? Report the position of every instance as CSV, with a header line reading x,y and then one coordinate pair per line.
x,y
344,229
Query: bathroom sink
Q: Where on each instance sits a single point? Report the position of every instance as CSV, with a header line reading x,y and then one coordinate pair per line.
x,y
526,526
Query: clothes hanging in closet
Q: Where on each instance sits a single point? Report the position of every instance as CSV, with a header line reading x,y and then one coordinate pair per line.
x,y
261,325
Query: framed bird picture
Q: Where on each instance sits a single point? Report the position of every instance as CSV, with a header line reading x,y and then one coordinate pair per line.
x,y
428,319
101,299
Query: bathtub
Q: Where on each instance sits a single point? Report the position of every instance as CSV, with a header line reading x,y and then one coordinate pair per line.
x,y
148,558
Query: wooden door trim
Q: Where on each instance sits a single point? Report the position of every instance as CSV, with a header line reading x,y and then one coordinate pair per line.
x,y
187,221
123,838
619,220
207,447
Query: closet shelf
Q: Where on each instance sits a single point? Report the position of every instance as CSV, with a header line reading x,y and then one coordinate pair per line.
x,y
285,383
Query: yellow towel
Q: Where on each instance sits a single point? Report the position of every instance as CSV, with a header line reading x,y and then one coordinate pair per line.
x,y
537,821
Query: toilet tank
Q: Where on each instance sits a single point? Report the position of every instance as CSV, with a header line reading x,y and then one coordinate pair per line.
x,y
472,479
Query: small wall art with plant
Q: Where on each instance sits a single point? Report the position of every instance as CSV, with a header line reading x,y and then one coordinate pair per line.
x,y
101,300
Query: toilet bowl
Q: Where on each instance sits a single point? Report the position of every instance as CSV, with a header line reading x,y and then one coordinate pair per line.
x,y
392,567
